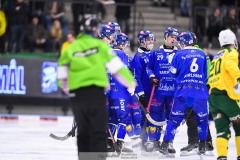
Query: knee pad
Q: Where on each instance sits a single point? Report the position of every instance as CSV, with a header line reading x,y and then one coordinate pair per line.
x,y
222,146
237,140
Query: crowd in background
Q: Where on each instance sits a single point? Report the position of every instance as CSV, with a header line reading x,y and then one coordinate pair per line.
x,y
43,24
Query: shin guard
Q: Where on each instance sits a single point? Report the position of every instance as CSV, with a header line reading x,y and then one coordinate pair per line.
x,y
222,146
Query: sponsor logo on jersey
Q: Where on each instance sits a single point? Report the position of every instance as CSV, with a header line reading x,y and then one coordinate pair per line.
x,y
235,118
86,52
178,113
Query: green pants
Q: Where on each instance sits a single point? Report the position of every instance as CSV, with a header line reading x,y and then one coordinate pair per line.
x,y
225,111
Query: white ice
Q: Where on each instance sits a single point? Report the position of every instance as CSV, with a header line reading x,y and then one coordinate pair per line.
x,y
29,140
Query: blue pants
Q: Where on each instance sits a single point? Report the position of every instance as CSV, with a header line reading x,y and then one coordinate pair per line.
x,y
119,115
134,129
177,114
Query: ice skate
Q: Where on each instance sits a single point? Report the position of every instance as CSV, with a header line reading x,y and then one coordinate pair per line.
x,y
209,149
157,145
190,149
223,158
110,147
171,150
122,147
148,149
164,149
136,142
201,148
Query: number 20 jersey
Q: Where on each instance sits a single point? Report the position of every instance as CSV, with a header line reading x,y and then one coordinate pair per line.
x,y
224,72
189,66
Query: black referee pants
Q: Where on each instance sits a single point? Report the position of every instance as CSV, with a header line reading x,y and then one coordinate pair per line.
x,y
90,113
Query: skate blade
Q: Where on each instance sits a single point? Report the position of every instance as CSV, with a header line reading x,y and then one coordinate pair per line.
x,y
188,153
169,155
209,153
162,156
153,153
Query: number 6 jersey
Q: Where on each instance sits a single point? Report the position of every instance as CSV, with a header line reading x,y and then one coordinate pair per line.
x,y
189,66
224,72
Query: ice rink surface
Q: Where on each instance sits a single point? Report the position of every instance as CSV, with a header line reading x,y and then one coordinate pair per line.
x,y
27,138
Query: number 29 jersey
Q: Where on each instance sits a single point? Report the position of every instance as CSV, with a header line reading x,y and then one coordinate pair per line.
x,y
189,66
224,72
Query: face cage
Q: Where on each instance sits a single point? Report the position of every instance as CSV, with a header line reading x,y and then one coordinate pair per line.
x,y
123,46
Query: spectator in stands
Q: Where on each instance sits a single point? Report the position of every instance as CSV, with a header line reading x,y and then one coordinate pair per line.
x,y
184,7
54,10
123,14
214,25
17,18
70,39
230,21
56,35
37,36
36,9
80,9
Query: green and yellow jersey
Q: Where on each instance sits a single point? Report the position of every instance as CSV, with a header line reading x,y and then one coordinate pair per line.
x,y
224,72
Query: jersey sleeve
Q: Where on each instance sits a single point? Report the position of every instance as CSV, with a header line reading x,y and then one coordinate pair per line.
x,y
231,64
173,70
65,57
116,67
137,71
150,65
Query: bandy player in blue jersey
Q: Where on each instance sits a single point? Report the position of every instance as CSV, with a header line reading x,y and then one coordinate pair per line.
x,y
119,97
158,69
189,66
139,68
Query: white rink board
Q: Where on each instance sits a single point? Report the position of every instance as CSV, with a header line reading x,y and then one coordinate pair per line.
x,y
28,139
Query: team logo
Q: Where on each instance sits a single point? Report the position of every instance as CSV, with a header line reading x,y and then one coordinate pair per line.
x,y
129,128
152,129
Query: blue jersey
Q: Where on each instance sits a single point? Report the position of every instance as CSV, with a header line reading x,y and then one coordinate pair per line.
x,y
190,69
139,65
117,89
158,66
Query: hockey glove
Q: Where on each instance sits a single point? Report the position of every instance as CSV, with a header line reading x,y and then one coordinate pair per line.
x,y
143,101
154,81
237,88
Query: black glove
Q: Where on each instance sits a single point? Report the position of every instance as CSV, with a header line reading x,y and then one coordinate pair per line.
x,y
154,81
143,101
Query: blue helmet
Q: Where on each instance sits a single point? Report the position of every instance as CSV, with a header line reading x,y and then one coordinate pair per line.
x,y
106,31
143,35
185,38
170,31
115,26
121,38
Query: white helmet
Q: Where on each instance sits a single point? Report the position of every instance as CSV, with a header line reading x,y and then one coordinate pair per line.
x,y
227,37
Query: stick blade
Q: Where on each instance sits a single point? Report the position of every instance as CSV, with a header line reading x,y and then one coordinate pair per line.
x,y
59,138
